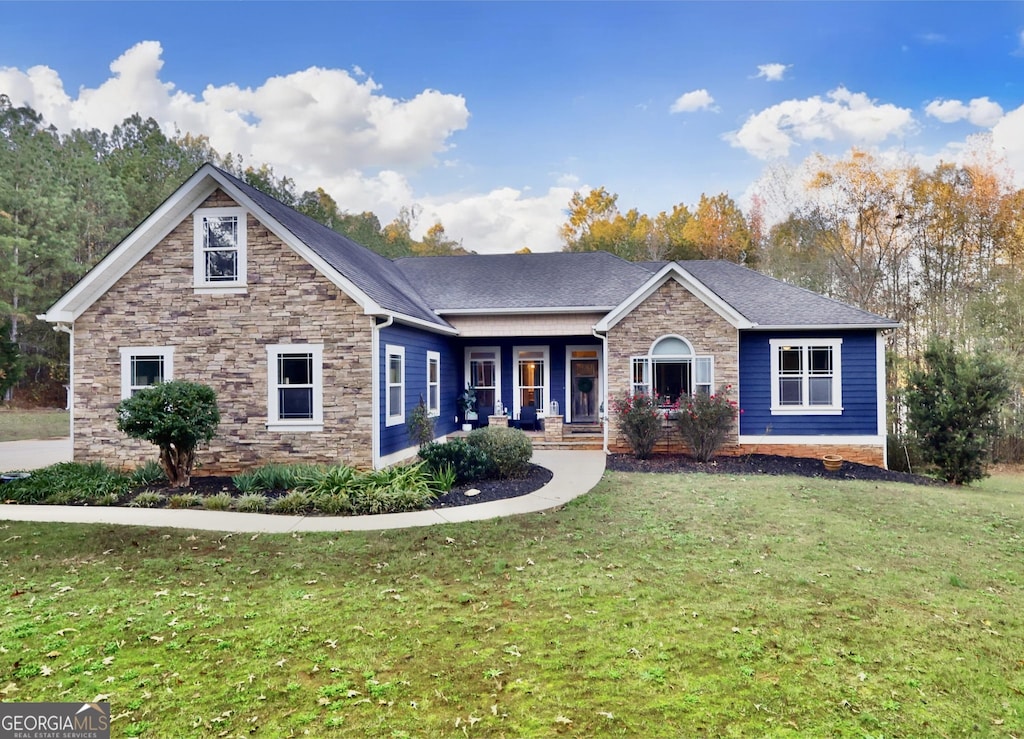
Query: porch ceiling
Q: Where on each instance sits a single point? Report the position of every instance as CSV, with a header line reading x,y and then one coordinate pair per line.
x,y
556,324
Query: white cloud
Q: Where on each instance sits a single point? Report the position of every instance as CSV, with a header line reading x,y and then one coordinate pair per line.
x,y
1008,141
980,111
772,72
692,101
842,115
310,123
500,221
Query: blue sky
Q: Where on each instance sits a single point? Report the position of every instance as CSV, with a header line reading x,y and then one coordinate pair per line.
x,y
488,116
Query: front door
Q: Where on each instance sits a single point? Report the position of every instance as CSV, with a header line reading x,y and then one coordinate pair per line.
x,y
583,391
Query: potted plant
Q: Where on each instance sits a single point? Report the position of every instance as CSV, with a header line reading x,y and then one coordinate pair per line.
x,y
467,405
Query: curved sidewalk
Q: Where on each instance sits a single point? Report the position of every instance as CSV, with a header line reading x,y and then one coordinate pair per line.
x,y
574,473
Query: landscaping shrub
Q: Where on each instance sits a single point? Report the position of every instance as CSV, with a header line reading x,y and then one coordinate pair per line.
x,y
420,424
275,477
148,474
148,500
393,490
68,483
177,416
185,500
218,502
705,421
953,404
639,417
469,462
251,503
333,504
508,450
334,480
294,503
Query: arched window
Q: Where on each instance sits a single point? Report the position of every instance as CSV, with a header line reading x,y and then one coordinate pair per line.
x,y
672,369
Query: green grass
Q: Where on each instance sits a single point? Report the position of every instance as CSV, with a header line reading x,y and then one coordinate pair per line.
x,y
655,606
39,424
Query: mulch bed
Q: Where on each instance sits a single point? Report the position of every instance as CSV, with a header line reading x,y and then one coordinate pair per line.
x,y
536,478
762,464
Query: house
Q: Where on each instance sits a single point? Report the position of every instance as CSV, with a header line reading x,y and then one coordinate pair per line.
x,y
319,349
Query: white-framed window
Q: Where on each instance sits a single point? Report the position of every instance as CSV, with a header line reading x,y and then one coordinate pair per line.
x,y
532,370
295,387
483,374
433,384
671,369
142,366
394,399
806,376
220,253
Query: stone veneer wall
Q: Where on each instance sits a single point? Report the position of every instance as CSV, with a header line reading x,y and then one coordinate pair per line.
x,y
671,309
220,340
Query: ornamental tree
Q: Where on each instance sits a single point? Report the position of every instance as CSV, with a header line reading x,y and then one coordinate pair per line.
x,y
705,421
953,404
639,418
177,416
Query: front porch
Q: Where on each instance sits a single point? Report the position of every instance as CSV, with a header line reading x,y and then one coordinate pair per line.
x,y
555,434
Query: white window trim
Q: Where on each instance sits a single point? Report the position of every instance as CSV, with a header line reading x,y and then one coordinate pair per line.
x,y
393,416
805,409
435,358
496,351
274,422
127,352
516,387
198,259
650,359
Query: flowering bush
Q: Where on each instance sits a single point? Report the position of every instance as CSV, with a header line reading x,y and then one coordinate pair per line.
x,y
705,420
639,419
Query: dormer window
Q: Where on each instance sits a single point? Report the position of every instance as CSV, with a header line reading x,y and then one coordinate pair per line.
x,y
220,249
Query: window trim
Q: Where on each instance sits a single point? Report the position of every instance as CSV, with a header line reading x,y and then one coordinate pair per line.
x,y
393,416
434,358
200,283
805,408
274,421
128,352
496,352
647,362
545,350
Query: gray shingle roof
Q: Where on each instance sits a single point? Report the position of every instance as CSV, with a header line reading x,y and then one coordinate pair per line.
x,y
768,302
422,287
523,281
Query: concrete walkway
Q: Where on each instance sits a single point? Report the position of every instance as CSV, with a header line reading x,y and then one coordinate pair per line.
x,y
574,473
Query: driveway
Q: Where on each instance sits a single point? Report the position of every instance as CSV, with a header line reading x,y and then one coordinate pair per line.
x,y
33,454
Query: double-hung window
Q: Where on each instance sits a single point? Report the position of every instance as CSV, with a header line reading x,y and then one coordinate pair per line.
x,y
219,259
295,387
433,384
394,399
806,376
671,370
482,374
143,366
532,365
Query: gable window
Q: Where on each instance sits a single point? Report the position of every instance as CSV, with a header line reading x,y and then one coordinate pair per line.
x,y
143,366
220,248
395,391
433,384
806,376
671,370
295,387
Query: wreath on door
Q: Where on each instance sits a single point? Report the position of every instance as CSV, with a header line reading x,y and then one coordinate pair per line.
x,y
585,385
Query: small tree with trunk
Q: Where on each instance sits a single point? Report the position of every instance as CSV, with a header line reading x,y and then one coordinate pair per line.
x,y
177,416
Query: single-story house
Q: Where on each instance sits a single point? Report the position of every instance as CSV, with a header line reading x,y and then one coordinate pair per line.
x,y
319,349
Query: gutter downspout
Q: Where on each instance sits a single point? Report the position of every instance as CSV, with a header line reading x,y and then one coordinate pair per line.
x,y
604,385
69,329
375,387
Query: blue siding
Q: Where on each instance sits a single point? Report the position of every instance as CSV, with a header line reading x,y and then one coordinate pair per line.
x,y
417,343
860,404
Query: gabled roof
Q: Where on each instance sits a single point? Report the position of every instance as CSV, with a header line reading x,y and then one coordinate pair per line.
x,y
421,290
590,281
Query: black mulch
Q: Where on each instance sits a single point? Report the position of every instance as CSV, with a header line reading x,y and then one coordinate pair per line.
x,y
762,464
536,478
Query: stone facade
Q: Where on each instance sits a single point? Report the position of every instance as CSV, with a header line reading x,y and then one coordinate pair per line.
x,y
670,310
220,340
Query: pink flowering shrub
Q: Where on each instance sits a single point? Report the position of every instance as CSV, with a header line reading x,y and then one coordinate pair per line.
x,y
705,420
639,418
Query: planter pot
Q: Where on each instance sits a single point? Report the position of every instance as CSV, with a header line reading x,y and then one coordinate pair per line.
x,y
832,462
12,476
467,427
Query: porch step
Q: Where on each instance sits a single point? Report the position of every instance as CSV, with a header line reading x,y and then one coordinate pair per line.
x,y
575,429
586,444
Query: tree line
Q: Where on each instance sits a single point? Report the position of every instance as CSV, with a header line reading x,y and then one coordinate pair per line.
x,y
68,199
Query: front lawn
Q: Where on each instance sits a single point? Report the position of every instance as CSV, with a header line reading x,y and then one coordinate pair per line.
x,y
18,425
655,606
